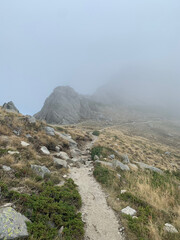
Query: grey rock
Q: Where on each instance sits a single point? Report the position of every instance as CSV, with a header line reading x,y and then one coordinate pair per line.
x,y
10,107
68,138
75,152
59,163
129,211
122,166
49,131
104,163
45,151
133,166
40,170
58,149
146,166
24,144
31,119
17,132
167,153
13,152
6,168
62,155
96,157
65,106
170,228
28,135
112,156
125,159
12,224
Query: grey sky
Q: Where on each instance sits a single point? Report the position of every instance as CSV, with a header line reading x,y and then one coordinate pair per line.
x,y
83,43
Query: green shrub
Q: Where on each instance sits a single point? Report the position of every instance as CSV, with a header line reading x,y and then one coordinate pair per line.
x,y
102,174
96,133
99,150
54,204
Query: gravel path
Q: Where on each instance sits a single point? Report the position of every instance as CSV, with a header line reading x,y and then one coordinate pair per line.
x,y
101,221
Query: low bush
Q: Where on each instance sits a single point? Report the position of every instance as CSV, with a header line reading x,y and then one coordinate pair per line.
x,y
102,174
56,205
96,133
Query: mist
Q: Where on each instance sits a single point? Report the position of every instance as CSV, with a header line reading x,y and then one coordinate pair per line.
x,y
131,46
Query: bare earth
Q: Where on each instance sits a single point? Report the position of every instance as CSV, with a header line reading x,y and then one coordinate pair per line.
x,y
101,221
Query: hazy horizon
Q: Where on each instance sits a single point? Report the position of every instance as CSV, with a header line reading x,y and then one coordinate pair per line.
x,y
86,44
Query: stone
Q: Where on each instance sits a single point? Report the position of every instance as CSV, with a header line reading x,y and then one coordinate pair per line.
x,y
129,211
122,166
167,153
133,167
12,224
123,191
170,228
24,144
28,135
40,170
104,163
58,149
146,166
45,151
49,131
68,138
6,168
65,176
13,152
118,175
112,156
62,155
125,159
60,232
75,152
96,157
59,163
17,132
10,107
31,119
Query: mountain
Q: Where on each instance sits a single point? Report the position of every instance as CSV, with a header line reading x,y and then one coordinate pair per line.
x,y
65,106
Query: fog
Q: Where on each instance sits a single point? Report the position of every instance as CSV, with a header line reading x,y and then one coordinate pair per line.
x,y
132,44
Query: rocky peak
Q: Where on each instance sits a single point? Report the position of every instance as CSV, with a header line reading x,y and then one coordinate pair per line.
x,y
10,107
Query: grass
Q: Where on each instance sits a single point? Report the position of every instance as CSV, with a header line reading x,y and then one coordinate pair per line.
x,y
101,151
102,174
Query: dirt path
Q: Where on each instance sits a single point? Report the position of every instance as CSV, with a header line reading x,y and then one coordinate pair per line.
x,y
101,221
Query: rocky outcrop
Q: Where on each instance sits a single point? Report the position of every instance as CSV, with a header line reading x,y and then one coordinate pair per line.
x,y
12,224
65,106
41,171
151,168
10,107
49,131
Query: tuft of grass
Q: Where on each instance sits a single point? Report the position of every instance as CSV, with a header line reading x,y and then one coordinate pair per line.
x,y
102,174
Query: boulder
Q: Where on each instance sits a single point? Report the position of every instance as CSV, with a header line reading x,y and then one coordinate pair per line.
x,y
49,131
170,228
12,224
125,159
24,144
40,170
62,155
129,211
45,151
122,166
68,138
6,168
10,107
146,166
31,119
104,163
59,163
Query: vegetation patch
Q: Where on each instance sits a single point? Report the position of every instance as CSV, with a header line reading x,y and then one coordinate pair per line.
x,y
96,133
101,151
102,174
49,210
